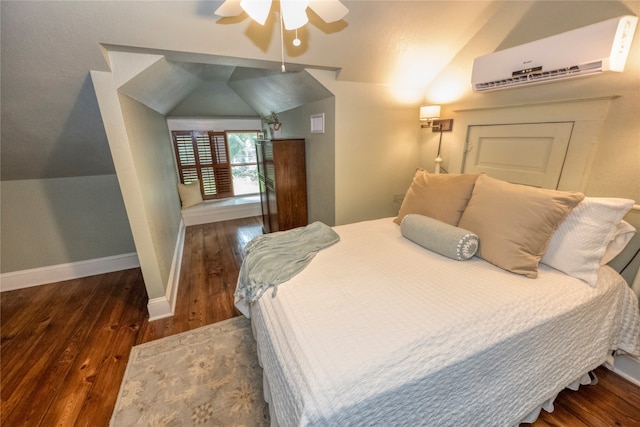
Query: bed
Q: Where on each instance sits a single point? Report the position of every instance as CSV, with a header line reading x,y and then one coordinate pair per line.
x,y
385,327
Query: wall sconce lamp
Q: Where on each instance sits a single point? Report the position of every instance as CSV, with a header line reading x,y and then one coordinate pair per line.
x,y
431,115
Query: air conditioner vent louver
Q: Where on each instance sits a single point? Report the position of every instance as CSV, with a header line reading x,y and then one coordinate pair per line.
x,y
541,76
586,51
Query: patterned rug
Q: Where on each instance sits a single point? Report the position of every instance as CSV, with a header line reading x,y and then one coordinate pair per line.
x,y
207,377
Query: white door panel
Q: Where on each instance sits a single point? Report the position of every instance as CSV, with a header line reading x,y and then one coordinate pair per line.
x,y
531,154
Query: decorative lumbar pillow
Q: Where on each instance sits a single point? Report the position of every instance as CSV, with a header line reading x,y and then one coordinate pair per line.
x,y
621,238
515,222
440,237
190,194
579,244
439,196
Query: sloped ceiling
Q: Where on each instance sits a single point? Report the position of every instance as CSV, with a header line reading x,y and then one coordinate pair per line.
x,y
268,90
163,85
198,90
213,97
51,123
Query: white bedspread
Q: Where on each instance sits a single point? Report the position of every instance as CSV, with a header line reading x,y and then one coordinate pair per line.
x,y
380,331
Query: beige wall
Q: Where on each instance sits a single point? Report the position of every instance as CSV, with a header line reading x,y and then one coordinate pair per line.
x,y
375,148
320,156
616,170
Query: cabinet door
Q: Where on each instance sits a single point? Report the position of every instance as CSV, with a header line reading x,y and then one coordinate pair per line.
x,y
272,202
531,153
264,204
283,196
260,158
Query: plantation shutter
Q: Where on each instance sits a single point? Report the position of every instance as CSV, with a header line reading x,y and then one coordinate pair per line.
x,y
185,156
204,156
221,164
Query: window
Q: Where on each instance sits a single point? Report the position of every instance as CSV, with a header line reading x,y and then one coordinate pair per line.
x,y
205,156
244,167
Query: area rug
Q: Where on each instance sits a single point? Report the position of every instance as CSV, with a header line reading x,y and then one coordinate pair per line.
x,y
208,376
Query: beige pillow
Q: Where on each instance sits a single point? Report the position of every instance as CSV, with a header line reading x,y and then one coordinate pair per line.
x,y
515,222
190,194
439,196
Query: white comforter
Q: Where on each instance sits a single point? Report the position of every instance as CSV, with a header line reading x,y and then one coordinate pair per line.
x,y
380,331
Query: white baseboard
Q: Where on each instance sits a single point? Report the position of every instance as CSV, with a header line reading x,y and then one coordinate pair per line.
x,y
74,270
165,306
158,307
223,210
627,367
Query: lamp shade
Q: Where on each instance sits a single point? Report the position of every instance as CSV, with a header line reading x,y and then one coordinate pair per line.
x,y
428,112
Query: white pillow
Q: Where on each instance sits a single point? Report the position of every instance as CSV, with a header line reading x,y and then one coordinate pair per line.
x,y
190,193
579,243
621,237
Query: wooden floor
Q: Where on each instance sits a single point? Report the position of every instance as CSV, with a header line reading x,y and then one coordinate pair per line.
x,y
65,345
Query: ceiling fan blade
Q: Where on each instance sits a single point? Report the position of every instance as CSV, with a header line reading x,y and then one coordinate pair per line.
x,y
229,8
329,10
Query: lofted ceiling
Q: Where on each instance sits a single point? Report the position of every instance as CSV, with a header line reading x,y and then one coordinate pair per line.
x,y
195,89
207,66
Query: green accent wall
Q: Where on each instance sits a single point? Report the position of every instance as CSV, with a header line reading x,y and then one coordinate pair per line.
x,y
62,220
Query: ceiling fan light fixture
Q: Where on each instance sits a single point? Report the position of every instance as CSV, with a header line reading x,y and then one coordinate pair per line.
x,y
229,8
329,10
294,13
258,10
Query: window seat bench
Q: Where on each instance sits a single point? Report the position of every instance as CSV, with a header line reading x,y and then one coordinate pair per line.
x,y
222,210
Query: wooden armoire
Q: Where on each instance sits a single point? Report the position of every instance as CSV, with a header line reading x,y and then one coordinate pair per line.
x,y
283,183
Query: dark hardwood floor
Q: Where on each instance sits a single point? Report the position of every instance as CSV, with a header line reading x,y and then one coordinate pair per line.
x,y
65,345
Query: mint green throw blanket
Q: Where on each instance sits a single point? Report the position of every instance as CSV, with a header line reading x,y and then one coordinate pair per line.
x,y
272,259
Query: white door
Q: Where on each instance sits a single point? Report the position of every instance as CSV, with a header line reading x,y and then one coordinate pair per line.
x,y
531,153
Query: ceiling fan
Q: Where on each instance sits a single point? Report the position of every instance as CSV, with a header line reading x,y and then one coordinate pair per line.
x,y
294,12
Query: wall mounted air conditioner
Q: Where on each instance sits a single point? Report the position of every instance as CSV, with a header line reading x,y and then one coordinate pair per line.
x,y
585,51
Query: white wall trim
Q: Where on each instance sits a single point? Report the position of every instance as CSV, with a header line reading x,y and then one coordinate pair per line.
x,y
627,367
224,210
61,272
159,308
588,115
165,306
